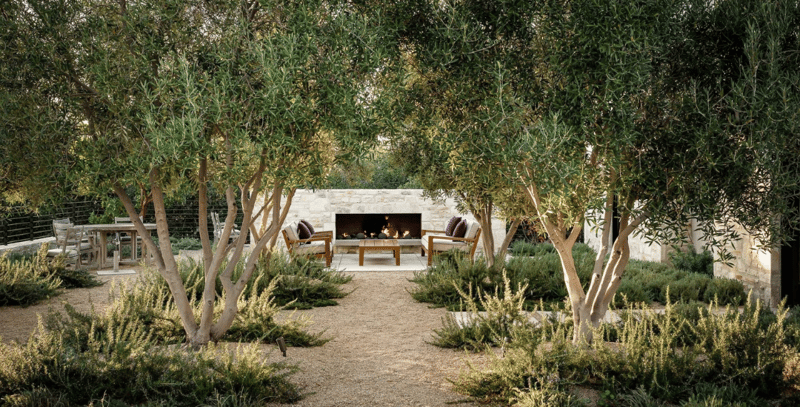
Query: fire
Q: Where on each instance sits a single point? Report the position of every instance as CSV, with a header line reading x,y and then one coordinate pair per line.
x,y
388,232
406,233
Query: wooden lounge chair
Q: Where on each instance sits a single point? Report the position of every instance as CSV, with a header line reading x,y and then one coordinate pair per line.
x,y
319,244
437,241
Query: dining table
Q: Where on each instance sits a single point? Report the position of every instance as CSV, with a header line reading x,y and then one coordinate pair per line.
x,y
104,229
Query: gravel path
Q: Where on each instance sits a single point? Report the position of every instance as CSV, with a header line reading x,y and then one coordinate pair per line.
x,y
379,355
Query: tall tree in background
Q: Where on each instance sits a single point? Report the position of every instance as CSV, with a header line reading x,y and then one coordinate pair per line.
x,y
246,97
458,56
675,109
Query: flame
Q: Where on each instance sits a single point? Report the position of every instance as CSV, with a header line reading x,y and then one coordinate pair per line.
x,y
406,233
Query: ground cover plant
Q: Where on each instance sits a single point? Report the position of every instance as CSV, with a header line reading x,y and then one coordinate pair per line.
x,y
122,365
689,355
261,300
134,352
26,280
300,282
450,273
538,268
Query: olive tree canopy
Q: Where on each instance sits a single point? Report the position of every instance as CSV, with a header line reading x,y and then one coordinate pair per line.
x,y
247,97
673,109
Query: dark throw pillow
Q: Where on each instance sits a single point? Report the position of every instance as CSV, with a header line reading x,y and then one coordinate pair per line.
x,y
451,225
302,231
308,225
460,229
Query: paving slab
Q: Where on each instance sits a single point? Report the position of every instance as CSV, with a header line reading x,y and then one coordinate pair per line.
x,y
378,261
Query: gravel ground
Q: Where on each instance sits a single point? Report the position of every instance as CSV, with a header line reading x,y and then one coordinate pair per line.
x,y
379,355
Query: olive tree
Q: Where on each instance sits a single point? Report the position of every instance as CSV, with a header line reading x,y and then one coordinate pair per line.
x,y
667,110
673,109
457,55
246,97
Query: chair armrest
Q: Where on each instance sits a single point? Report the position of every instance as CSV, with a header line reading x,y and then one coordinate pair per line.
x,y
324,233
315,238
452,238
431,231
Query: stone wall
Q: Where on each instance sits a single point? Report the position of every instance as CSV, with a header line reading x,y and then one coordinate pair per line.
x,y
758,269
641,249
321,206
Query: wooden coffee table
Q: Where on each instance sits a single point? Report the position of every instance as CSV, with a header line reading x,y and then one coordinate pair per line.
x,y
378,244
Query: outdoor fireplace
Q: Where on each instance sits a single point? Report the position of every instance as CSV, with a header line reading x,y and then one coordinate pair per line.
x,y
393,225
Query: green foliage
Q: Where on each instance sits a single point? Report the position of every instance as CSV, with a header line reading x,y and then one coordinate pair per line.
x,y
489,320
300,282
439,285
691,287
124,367
630,292
540,270
733,357
26,280
524,248
180,243
656,279
725,291
692,261
151,305
379,172
547,394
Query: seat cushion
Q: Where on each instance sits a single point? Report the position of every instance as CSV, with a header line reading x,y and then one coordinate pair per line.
x,y
55,252
472,230
311,248
291,231
443,245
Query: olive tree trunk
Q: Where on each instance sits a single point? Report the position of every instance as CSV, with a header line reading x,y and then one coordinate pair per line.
x,y
589,307
199,320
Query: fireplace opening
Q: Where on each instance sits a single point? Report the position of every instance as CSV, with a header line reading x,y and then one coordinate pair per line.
x,y
378,225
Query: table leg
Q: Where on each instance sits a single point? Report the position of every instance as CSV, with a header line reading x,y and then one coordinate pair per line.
x,y
397,256
360,256
134,245
103,248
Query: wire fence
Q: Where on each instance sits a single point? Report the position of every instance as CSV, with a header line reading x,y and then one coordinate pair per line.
x,y
20,225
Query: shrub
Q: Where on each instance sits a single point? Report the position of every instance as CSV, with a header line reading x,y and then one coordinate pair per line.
x,y
27,281
725,291
523,248
690,287
547,394
149,303
453,271
300,282
693,262
124,367
738,358
542,275
630,292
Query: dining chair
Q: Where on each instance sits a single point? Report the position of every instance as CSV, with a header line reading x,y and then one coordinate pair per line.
x,y
74,242
220,226
124,239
